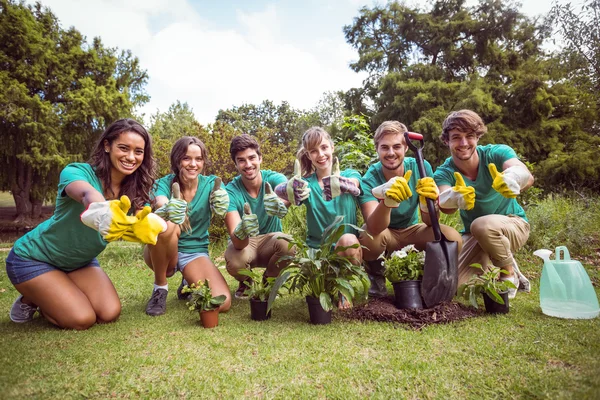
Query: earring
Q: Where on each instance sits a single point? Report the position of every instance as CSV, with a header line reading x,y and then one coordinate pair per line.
x,y
106,151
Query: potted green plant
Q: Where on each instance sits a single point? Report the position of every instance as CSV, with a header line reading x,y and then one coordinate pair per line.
x,y
202,300
404,269
321,274
494,290
258,290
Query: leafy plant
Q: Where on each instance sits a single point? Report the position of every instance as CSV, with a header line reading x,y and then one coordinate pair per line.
x,y
258,287
321,272
405,264
488,282
202,298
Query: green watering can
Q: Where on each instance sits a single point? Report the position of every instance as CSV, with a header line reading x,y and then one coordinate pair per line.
x,y
565,288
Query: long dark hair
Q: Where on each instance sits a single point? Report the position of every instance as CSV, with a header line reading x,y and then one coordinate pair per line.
x,y
180,149
136,186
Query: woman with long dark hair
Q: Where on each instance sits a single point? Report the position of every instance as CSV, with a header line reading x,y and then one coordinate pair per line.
x,y
54,266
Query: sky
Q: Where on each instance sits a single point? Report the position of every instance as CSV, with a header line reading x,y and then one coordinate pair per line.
x,y
224,53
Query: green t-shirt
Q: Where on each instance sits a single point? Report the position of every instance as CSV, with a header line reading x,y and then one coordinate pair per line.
x,y
406,214
487,200
238,195
320,213
198,213
63,240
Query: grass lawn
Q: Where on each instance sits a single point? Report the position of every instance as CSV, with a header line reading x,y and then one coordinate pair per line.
x,y
6,199
523,354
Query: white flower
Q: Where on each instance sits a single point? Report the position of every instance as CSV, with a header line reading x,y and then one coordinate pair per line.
x,y
409,249
399,253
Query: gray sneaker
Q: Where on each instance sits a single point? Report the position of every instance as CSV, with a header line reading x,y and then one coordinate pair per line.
x,y
524,284
21,312
157,305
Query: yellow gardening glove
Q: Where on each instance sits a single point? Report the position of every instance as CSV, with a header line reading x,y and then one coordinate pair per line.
x,y
509,182
427,189
394,191
109,218
146,229
459,196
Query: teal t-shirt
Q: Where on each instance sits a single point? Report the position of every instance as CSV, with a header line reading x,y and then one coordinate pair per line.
x,y
198,212
320,213
487,200
238,195
406,214
63,240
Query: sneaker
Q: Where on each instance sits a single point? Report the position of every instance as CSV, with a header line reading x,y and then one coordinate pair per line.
x,y
180,295
21,312
524,284
157,305
514,278
240,293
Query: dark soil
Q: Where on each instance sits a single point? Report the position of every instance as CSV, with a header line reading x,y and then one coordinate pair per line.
x,y
384,310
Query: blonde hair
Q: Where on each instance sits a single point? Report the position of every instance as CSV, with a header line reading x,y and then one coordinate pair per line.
x,y
312,138
389,128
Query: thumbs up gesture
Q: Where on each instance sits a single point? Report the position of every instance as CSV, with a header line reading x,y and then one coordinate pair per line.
x,y
146,229
248,226
273,204
296,189
335,185
109,218
459,196
509,182
219,199
394,191
175,210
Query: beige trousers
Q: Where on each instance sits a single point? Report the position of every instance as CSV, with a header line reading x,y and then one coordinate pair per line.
x,y
394,239
493,238
262,251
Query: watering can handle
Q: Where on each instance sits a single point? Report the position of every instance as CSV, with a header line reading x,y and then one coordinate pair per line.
x,y
566,255
409,137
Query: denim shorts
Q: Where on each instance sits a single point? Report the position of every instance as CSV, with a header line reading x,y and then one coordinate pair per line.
x,y
186,258
21,270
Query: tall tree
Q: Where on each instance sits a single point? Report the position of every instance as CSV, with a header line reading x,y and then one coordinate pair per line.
x,y
59,93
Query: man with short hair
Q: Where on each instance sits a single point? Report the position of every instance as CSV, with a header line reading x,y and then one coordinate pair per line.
x,y
254,234
392,196
483,181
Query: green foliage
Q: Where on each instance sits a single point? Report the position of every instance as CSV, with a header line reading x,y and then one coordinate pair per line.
x,y
354,145
260,287
202,298
405,264
565,220
321,272
294,223
488,282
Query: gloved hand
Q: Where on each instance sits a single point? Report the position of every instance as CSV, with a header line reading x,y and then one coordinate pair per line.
x,y
427,189
248,226
109,218
175,210
146,229
459,196
273,204
296,189
394,191
219,199
509,182
335,185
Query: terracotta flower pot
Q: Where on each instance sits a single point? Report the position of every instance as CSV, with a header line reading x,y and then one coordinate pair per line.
x,y
209,319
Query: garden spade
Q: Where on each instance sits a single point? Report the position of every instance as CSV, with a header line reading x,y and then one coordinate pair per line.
x,y
440,272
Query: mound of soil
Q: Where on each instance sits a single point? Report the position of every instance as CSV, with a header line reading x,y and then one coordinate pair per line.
x,y
384,310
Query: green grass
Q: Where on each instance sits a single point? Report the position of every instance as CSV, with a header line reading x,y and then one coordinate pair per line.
x,y
6,199
523,354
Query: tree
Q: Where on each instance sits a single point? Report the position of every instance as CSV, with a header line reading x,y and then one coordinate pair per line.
x,y
58,94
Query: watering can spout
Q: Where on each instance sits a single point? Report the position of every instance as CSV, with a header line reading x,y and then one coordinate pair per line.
x,y
544,254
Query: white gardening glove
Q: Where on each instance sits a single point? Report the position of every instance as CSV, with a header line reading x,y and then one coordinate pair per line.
x,y
274,206
394,191
296,189
109,218
459,196
509,182
335,185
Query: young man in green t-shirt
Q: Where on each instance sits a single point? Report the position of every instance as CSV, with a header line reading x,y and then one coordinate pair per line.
x,y
392,196
495,225
254,236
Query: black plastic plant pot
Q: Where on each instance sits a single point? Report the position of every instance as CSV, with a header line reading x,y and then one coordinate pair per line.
x,y
407,294
317,315
496,308
258,310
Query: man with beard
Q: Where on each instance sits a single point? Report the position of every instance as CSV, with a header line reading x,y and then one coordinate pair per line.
x,y
495,225
392,196
254,215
